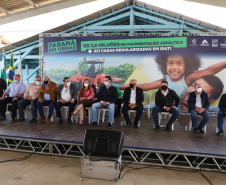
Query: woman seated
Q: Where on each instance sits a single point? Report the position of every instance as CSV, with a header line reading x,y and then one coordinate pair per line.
x,y
85,99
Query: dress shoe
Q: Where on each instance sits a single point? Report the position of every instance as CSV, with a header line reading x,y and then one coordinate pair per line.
x,y
109,124
69,120
21,119
157,128
220,133
2,118
33,120
94,123
201,130
41,119
61,120
195,130
168,128
14,119
135,126
48,120
128,124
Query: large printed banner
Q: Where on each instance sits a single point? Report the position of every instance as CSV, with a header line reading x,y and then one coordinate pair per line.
x,y
182,61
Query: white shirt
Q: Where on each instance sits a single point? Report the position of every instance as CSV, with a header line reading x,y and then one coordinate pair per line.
x,y
164,93
198,103
133,96
65,94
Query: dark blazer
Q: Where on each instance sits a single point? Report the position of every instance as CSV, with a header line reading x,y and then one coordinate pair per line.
x,y
139,96
222,103
73,90
169,100
3,86
192,100
95,91
109,95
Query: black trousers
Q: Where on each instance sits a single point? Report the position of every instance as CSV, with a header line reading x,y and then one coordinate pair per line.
x,y
59,105
139,110
118,104
3,104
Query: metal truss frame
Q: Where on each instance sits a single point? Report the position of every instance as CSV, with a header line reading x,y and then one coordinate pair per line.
x,y
171,159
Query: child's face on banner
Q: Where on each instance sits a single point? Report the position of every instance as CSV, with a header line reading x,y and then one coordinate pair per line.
x,y
175,67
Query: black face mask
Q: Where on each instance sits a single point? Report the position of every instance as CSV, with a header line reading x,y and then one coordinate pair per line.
x,y
131,86
164,87
46,82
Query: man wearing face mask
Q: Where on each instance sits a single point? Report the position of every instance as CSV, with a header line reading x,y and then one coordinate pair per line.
x,y
30,98
12,94
198,103
108,97
133,98
66,96
96,88
166,100
46,97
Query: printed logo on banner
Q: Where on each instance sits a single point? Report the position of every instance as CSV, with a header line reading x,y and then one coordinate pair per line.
x,y
194,42
204,43
214,42
62,46
223,45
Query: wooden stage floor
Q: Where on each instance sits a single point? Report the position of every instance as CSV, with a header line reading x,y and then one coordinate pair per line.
x,y
178,140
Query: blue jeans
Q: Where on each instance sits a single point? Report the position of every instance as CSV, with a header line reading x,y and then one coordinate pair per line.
x,y
98,105
205,119
220,117
49,103
172,111
22,105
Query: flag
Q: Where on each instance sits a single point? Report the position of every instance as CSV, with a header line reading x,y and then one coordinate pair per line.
x,y
19,69
11,70
3,67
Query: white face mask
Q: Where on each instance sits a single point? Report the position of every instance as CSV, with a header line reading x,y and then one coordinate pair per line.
x,y
68,84
199,90
86,85
37,83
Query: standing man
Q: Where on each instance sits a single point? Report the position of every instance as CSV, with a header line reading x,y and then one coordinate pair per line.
x,y
107,99
14,93
66,96
198,103
46,97
30,98
221,114
3,87
166,100
133,98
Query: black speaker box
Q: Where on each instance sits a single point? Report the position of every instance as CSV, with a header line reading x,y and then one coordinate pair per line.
x,y
106,143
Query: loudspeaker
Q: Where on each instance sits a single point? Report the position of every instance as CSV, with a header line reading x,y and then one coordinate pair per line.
x,y
107,143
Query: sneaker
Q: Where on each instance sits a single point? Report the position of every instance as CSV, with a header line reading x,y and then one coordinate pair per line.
x,y
61,120
195,130
157,128
21,119
128,124
48,120
135,126
109,124
41,119
220,133
201,130
2,118
168,128
33,120
94,123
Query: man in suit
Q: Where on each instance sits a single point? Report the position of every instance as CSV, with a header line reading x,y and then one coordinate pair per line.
x,y
66,96
107,99
133,98
198,103
166,100
96,88
46,97
221,114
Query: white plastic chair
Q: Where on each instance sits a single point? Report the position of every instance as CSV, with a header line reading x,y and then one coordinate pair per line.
x,y
47,111
103,110
147,102
160,114
89,115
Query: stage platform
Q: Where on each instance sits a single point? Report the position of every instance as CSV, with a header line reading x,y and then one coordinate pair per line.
x,y
41,137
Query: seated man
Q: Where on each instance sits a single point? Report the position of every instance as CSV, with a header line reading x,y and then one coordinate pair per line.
x,y
221,114
166,100
66,96
198,103
30,98
107,99
15,92
46,97
3,87
96,88
133,97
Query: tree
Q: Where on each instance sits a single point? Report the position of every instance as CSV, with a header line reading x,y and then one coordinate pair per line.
x,y
82,66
